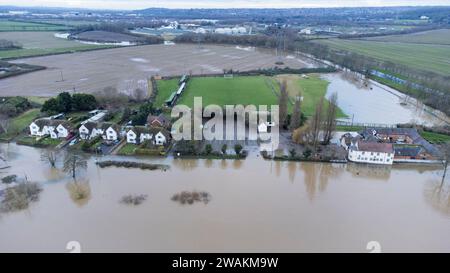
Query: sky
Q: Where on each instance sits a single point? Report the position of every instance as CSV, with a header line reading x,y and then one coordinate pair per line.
x,y
141,4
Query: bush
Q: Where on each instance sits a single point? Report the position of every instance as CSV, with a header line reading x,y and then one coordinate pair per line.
x,y
19,197
224,149
208,149
9,179
307,153
133,199
186,197
238,149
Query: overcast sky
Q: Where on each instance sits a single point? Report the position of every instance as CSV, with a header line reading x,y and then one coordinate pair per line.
x,y
140,4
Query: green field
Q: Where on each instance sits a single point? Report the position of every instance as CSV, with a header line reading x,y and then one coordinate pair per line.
x,y
19,123
229,91
438,37
245,90
7,25
41,43
165,89
426,57
435,137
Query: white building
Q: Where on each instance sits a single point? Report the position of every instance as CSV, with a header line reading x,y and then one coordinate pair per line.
x,y
53,128
371,152
107,131
139,134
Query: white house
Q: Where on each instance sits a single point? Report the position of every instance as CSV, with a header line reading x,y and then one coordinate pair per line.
x,y
139,134
53,128
262,128
110,131
86,129
371,152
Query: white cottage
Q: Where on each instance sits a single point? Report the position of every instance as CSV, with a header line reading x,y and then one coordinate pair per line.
x,y
139,134
371,152
53,128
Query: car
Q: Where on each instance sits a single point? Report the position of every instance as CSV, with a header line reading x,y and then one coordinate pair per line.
x,y
73,142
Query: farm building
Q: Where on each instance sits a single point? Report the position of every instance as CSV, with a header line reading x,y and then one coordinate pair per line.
x,y
371,152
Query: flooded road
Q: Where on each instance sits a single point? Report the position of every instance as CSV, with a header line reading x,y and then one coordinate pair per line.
x,y
256,205
379,103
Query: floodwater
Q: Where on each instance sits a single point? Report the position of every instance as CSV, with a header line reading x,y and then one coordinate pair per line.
x,y
256,205
379,103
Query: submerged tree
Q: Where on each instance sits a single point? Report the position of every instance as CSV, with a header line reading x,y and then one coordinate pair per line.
x,y
446,158
316,124
50,156
72,163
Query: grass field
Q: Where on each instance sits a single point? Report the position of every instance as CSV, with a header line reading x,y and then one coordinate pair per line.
x,y
19,123
427,57
41,43
7,25
435,137
311,89
165,89
438,37
223,91
245,90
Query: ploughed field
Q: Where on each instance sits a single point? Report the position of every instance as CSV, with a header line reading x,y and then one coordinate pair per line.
x,y
427,51
131,67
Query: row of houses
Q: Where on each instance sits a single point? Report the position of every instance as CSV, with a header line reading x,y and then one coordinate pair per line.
x,y
387,145
155,131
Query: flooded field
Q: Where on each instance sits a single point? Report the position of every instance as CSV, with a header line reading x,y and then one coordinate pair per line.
x,y
379,103
254,205
130,68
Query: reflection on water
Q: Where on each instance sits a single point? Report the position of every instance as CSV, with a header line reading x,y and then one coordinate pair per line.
x,y
378,103
437,194
257,205
79,191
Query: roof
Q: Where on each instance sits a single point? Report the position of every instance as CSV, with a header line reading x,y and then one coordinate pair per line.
x,y
140,130
404,150
106,125
375,147
51,122
90,125
163,131
172,96
160,118
410,132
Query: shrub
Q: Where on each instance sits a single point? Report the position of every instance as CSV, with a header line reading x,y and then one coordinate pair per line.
x,y
133,199
9,179
238,149
224,149
208,149
19,197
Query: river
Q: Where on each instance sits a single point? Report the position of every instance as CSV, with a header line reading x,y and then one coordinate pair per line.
x,y
255,205
379,104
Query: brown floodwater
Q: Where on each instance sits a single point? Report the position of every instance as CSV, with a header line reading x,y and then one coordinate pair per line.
x,y
256,205
379,103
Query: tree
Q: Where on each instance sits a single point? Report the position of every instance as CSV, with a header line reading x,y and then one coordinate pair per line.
x,y
238,149
72,163
283,103
51,106
316,124
111,98
139,94
292,153
50,156
330,119
83,102
4,123
64,100
307,153
224,149
296,117
141,117
126,114
208,149
446,158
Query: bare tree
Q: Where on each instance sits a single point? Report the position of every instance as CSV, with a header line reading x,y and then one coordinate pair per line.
x,y
296,114
111,98
139,94
4,123
72,162
50,156
283,103
446,158
330,119
316,124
